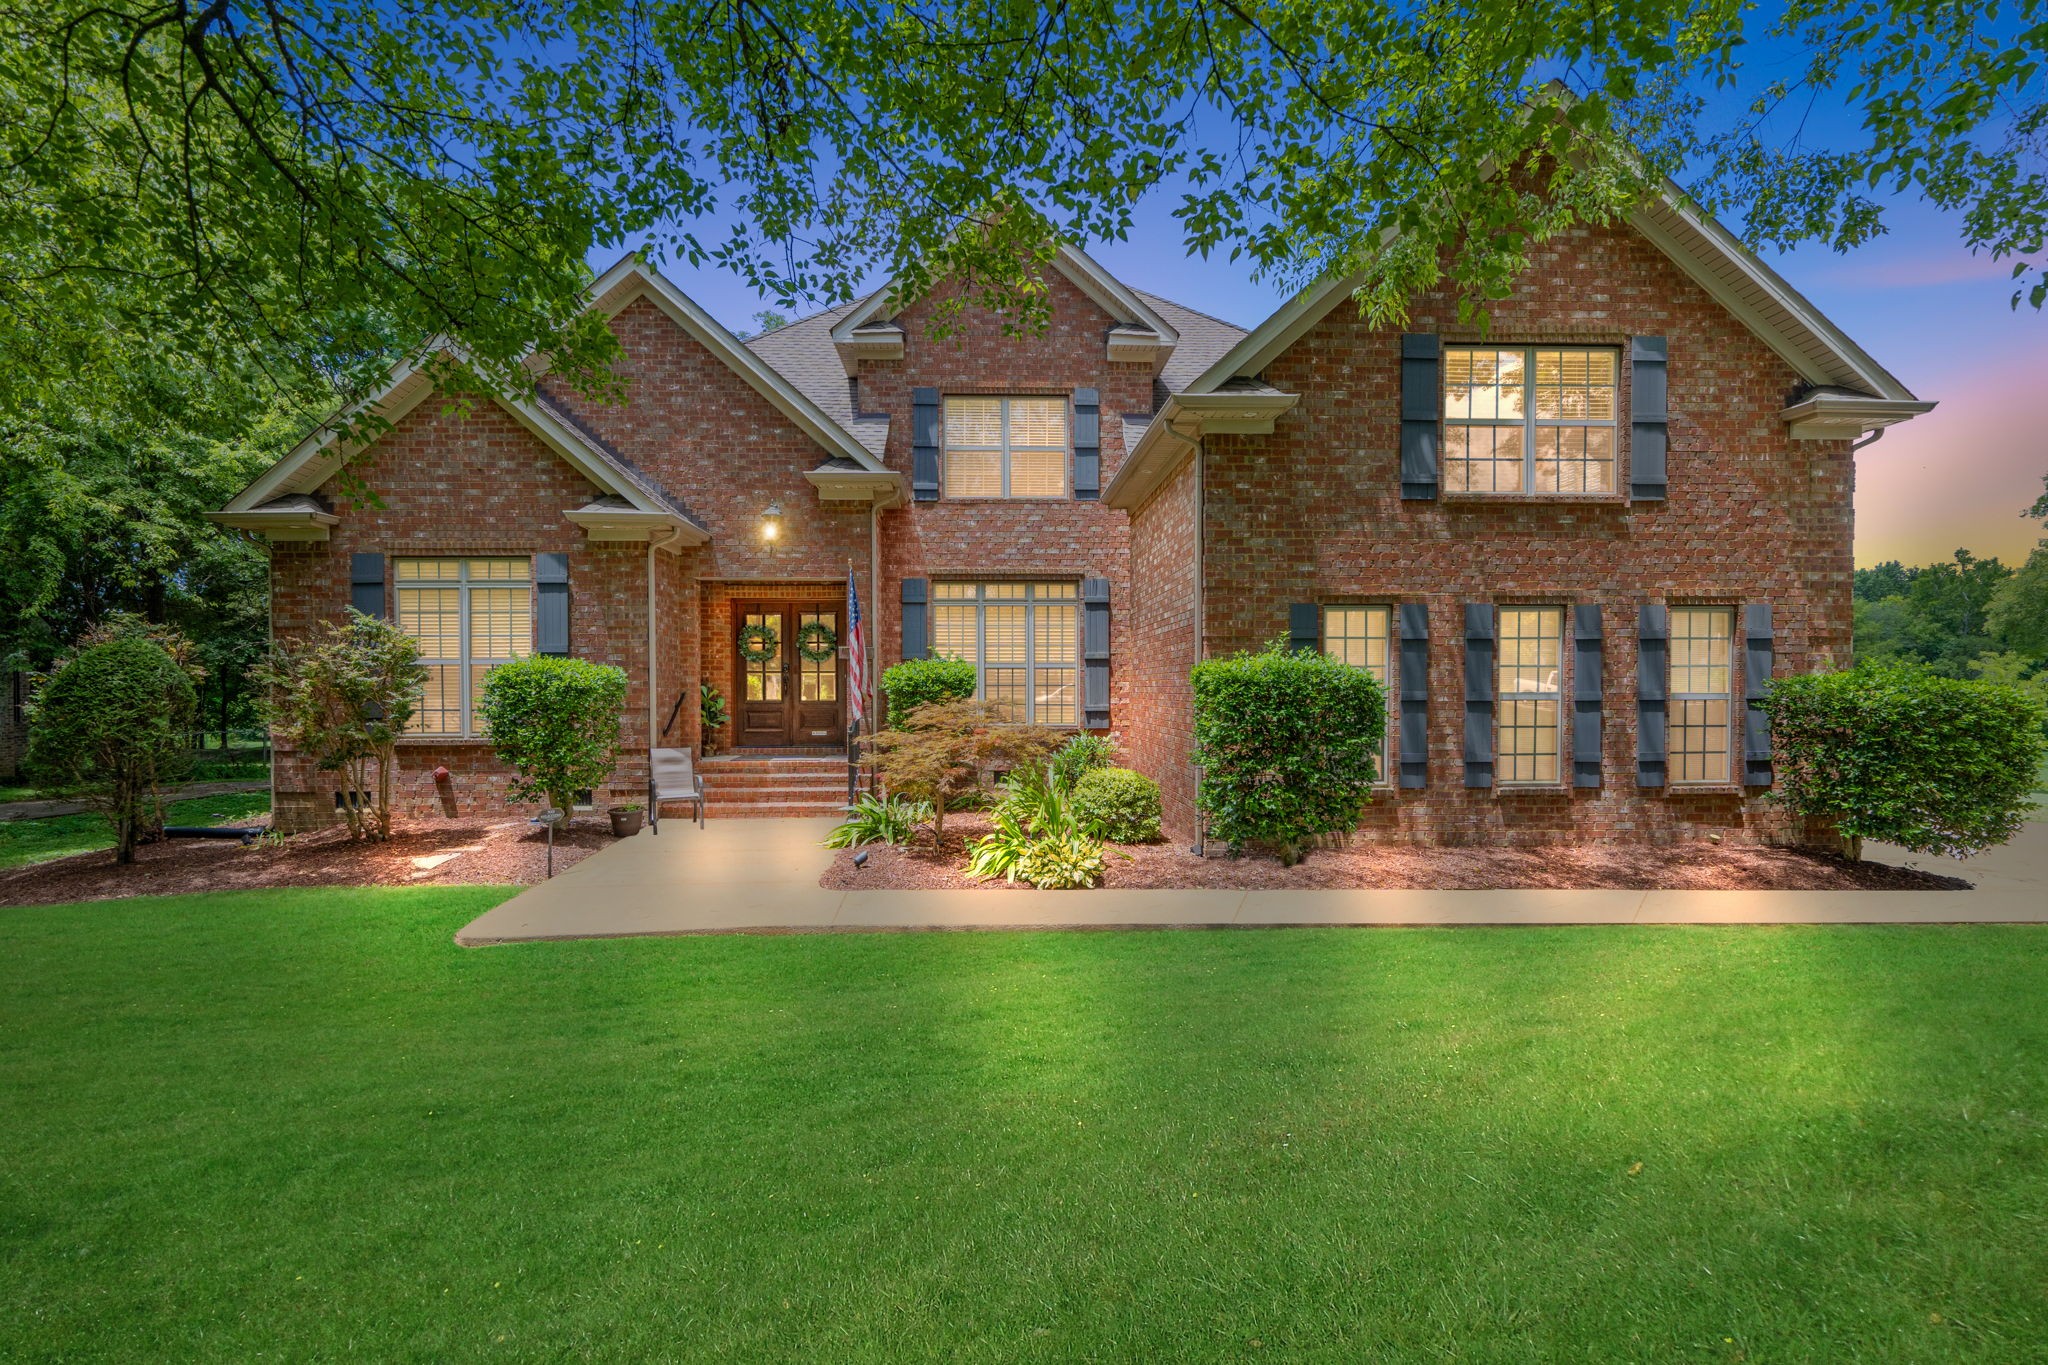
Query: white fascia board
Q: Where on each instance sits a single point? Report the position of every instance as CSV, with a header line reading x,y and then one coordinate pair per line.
x,y
632,524
1180,425
282,524
1838,416
1262,345
632,278
314,460
884,489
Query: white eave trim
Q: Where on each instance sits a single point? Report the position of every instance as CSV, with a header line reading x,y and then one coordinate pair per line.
x,y
1845,416
277,524
631,523
1109,293
1180,425
631,279
884,489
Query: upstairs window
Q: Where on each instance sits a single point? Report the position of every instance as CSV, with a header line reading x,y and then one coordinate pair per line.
x,y
469,615
1006,447
1534,420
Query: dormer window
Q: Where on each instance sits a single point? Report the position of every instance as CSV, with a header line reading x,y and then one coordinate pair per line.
x,y
1006,447
1536,420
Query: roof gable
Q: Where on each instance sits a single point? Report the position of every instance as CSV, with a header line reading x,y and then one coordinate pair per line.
x,y
1123,304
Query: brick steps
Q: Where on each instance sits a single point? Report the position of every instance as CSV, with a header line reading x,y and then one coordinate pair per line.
x,y
757,785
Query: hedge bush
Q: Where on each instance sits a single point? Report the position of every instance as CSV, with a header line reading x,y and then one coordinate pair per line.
x,y
1288,743
1118,804
557,721
112,724
1084,753
1901,755
920,682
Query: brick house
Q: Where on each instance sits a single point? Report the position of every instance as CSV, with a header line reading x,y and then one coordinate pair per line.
x,y
1572,548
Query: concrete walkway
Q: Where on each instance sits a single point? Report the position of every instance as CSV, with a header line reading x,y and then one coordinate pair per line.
x,y
762,876
43,810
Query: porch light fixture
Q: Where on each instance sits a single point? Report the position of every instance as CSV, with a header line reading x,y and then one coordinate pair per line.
x,y
771,523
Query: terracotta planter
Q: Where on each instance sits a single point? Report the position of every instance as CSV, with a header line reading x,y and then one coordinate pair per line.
x,y
626,822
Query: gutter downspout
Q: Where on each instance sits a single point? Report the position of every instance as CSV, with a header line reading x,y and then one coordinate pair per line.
x,y
1872,439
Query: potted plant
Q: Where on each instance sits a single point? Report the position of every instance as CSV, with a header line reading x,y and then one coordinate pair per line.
x,y
711,716
627,819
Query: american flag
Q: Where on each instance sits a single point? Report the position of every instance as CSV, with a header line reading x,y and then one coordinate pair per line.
x,y
856,654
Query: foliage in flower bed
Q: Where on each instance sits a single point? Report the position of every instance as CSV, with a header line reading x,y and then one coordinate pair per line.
x,y
1084,753
1118,804
556,721
923,682
1288,743
946,750
1899,754
878,820
1038,837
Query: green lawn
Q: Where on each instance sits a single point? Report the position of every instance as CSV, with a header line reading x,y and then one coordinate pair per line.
x,y
32,841
304,1124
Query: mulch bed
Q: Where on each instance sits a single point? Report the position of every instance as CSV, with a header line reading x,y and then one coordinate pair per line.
x,y
494,850
1361,866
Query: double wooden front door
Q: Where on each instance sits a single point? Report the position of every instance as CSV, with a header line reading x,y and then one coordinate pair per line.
x,y
786,698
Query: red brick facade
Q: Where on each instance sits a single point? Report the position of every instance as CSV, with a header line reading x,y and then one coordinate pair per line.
x,y
1210,563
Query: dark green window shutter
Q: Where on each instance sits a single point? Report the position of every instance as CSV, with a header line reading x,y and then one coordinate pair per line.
x,y
1414,694
1586,659
551,606
924,445
1479,658
1421,409
1095,653
1653,671
1649,418
1304,626
1087,444
917,621
1757,659
366,583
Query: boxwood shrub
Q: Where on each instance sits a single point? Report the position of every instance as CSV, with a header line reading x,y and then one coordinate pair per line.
x,y
1898,754
1288,743
920,682
1118,804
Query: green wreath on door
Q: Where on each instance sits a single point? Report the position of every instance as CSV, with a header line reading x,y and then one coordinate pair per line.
x,y
816,641
759,643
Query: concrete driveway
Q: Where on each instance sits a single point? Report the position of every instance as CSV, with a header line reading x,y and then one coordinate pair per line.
x,y
762,876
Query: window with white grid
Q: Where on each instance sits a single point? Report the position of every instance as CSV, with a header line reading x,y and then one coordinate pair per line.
x,y
1360,636
1024,640
1527,682
1701,693
469,615
1006,447
1536,420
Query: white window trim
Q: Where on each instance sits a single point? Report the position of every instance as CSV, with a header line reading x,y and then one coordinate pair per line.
x,y
1384,779
465,659
1529,422
1673,697
1031,603
1002,451
1556,699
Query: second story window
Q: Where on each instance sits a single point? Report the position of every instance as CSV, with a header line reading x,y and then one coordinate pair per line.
x,y
1006,447
1534,420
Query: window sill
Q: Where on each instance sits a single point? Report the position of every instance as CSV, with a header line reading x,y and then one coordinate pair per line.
x,y
1531,789
1538,499
424,741
1703,789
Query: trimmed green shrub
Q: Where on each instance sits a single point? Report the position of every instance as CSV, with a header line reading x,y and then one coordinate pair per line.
x,y
921,682
112,724
878,820
1288,743
1083,753
556,721
1902,755
1119,805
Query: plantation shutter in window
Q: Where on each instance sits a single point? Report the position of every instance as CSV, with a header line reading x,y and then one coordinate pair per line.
x,y
1586,651
1756,674
1087,444
1653,664
1304,626
1649,418
1095,653
551,605
1414,694
1479,659
366,583
924,445
917,628
1421,402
